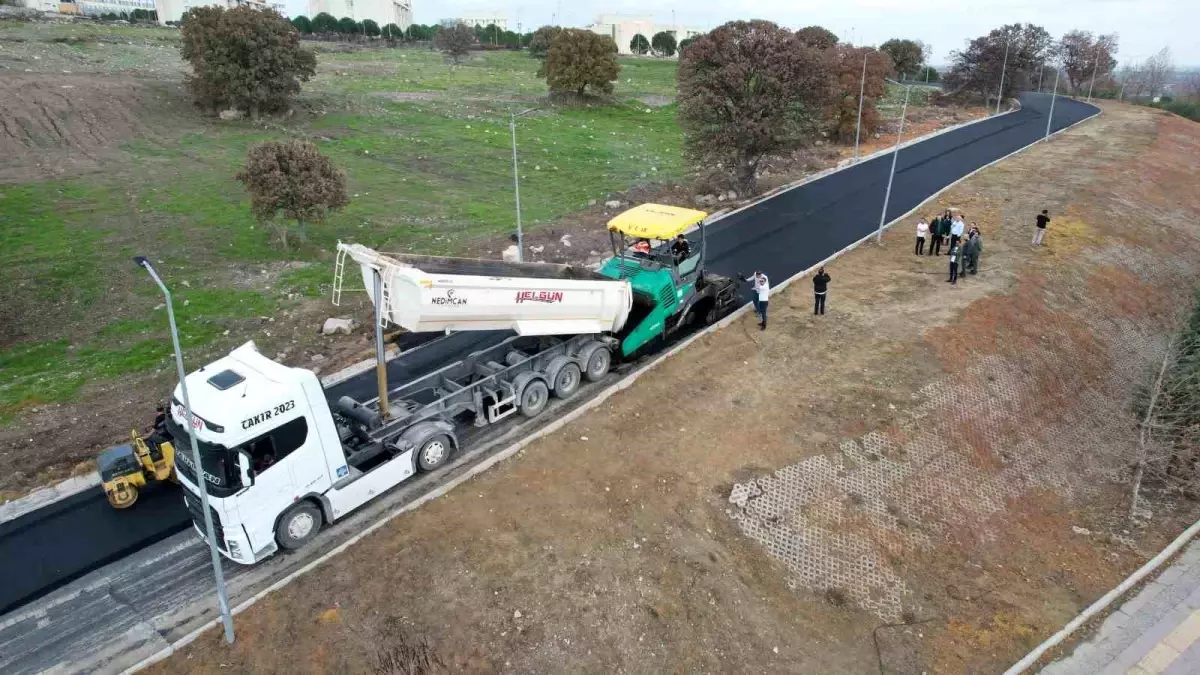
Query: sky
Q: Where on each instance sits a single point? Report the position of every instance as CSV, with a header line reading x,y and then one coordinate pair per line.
x,y
1143,26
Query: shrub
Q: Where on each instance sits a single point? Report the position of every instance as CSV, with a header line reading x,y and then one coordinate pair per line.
x,y
580,60
454,41
539,42
294,179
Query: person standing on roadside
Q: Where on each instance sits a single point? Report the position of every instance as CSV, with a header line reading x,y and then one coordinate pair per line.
x,y
820,289
935,233
762,295
974,248
1043,220
954,254
956,230
922,230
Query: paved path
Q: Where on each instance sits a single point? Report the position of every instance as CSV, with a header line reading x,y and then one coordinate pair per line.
x,y
1157,631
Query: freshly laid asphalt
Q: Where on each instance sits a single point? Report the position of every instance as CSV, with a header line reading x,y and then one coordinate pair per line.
x,y
784,235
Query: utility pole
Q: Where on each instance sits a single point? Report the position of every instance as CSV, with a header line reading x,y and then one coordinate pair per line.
x,y
1095,65
512,125
1000,96
1041,72
1053,98
201,481
895,153
862,85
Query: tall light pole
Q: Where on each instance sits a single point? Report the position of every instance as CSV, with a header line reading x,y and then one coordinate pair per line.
x,y
1095,65
1053,98
512,126
895,153
862,85
218,574
1041,72
1000,95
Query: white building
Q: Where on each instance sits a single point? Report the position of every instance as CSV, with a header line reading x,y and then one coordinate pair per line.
x,y
173,10
621,28
381,12
484,19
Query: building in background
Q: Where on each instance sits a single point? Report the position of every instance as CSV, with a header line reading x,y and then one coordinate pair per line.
x,y
621,28
483,19
173,10
381,12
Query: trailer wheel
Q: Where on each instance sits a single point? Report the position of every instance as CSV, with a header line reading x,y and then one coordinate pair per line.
x,y
434,452
597,364
298,525
534,398
566,381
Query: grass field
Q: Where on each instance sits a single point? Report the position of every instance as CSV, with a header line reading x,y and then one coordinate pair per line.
x,y
425,145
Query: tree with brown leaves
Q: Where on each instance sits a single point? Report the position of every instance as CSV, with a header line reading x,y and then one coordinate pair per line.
x,y
747,89
817,36
454,41
542,38
295,179
848,68
246,58
1084,53
581,62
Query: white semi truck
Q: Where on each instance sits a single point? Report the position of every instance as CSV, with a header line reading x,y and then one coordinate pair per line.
x,y
280,458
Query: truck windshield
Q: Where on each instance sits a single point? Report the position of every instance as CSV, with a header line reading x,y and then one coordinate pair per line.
x,y
220,464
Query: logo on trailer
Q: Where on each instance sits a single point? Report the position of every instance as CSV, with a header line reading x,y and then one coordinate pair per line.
x,y
450,299
539,296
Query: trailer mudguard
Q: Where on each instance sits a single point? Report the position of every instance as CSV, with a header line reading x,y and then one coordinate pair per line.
x,y
417,434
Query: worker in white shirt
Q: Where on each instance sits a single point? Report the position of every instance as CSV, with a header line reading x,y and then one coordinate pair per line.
x,y
956,230
762,294
922,230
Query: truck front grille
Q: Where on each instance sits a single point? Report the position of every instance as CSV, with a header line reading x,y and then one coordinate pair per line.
x,y
197,514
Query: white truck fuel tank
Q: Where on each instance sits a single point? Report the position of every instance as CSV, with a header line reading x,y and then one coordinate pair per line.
x,y
434,294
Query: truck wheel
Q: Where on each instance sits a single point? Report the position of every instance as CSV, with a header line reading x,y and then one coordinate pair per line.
x,y
534,397
298,526
566,381
434,452
712,315
597,364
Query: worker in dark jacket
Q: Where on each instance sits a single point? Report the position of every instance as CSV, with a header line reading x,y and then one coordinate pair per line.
x,y
820,289
973,248
935,234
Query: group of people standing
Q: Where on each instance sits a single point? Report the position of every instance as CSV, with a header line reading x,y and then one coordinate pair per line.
x,y
964,246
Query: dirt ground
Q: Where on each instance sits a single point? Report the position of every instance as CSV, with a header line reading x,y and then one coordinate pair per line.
x,y
930,478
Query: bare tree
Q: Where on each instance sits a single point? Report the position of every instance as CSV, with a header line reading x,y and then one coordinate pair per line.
x,y
1159,70
1084,54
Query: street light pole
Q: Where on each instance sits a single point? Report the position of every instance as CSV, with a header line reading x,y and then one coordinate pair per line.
x,y
1095,65
1003,66
1053,98
222,598
1041,72
862,85
895,153
512,126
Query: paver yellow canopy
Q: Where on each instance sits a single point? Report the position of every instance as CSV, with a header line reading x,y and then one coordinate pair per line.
x,y
656,221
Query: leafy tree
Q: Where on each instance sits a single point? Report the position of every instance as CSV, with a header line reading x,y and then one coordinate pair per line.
x,y
370,28
1083,53
539,42
747,89
685,43
295,179
907,55
392,32
243,57
510,38
817,36
347,26
663,43
639,44
491,34
977,68
848,69
303,25
454,41
932,73
579,60
324,23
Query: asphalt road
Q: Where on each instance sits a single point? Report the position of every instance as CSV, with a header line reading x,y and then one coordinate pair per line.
x,y
784,235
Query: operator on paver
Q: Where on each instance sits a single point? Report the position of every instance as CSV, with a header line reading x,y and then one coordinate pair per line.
x,y
681,248
762,295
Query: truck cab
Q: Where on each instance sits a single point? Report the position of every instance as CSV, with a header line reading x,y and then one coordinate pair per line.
x,y
267,440
672,288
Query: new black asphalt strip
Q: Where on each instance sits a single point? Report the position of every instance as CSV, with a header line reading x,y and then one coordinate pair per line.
x,y
50,547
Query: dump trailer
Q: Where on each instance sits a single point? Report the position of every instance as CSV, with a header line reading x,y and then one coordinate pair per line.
x,y
280,459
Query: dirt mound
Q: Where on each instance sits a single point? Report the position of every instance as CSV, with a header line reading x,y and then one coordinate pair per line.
x,y
52,127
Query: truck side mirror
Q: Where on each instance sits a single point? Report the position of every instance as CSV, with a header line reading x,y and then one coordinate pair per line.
x,y
244,468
